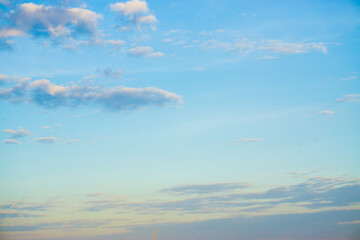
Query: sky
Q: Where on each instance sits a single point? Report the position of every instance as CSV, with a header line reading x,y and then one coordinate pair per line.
x,y
229,120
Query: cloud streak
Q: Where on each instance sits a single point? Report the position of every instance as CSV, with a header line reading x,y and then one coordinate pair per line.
x,y
204,188
49,95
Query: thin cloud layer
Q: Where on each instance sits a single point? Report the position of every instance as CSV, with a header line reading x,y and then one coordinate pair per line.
x,y
44,93
315,193
204,188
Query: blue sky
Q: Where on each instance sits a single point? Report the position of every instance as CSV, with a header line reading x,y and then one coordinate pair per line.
x,y
198,118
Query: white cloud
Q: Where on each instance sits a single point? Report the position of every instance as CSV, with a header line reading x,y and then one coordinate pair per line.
x,y
53,22
136,12
267,57
147,19
130,8
5,33
46,140
116,42
11,141
326,112
145,51
4,79
21,132
44,93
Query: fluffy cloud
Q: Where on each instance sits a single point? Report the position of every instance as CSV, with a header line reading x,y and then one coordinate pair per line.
x,y
44,93
130,8
46,140
135,11
145,51
41,20
21,132
56,23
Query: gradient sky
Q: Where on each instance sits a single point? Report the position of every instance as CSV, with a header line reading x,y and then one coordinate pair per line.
x,y
205,119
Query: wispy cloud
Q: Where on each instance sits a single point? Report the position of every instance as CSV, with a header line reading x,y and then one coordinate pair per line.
x,y
73,224
144,51
26,206
246,45
93,194
11,141
107,73
19,133
314,193
352,77
44,93
350,98
46,140
204,188
326,112
12,214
